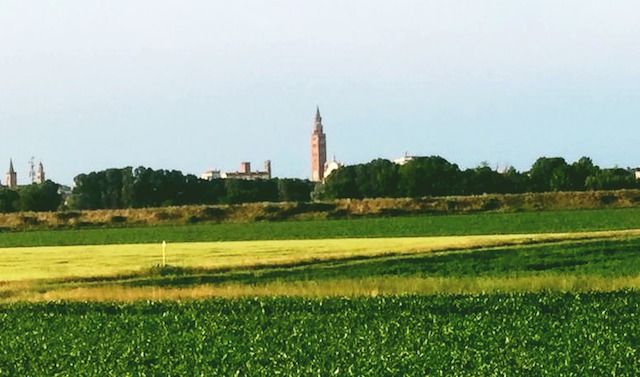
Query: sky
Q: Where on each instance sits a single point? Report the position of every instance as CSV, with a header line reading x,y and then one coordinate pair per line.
x,y
192,85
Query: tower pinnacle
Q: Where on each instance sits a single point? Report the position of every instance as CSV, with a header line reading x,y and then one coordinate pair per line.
x,y
318,149
40,176
12,177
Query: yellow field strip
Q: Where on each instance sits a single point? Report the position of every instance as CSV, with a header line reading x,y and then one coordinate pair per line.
x,y
371,286
19,264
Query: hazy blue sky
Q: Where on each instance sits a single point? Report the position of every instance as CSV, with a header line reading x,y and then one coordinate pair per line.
x,y
190,85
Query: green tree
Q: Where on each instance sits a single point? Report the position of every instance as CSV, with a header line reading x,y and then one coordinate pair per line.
x,y
379,178
579,172
9,200
516,182
611,179
245,191
429,176
550,174
342,184
40,197
87,192
294,190
483,180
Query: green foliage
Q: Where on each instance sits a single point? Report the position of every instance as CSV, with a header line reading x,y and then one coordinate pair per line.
x,y
341,184
518,334
40,197
481,223
244,191
420,177
143,187
31,198
607,178
9,200
377,179
435,176
294,190
580,171
549,174
429,176
483,179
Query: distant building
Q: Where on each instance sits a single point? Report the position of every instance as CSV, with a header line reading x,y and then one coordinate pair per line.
x,y
40,176
318,149
404,159
12,176
330,167
637,174
210,175
245,172
35,176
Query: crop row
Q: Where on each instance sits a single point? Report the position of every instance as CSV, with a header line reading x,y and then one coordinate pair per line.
x,y
524,334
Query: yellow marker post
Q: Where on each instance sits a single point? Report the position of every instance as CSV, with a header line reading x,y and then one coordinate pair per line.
x,y
164,253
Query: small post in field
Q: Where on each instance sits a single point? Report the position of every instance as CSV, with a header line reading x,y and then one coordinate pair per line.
x,y
164,253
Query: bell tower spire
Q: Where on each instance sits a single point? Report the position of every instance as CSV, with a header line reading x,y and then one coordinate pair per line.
x,y
318,149
12,176
40,175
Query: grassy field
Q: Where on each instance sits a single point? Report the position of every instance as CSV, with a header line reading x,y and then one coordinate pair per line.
x,y
51,262
608,258
315,258
416,226
524,334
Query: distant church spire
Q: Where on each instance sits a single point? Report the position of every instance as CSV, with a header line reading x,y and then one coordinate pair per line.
x,y
318,149
40,177
12,177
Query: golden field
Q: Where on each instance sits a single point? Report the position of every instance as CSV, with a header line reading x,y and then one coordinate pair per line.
x,y
37,263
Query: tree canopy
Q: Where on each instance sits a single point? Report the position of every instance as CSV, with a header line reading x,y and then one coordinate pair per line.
x,y
424,176
34,197
145,187
435,176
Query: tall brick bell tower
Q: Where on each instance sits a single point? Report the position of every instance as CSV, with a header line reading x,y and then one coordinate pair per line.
x,y
318,149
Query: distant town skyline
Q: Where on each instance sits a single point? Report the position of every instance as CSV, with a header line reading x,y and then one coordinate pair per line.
x,y
89,85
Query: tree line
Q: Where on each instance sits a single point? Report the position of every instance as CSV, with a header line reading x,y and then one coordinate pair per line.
x,y
35,197
423,176
435,176
144,187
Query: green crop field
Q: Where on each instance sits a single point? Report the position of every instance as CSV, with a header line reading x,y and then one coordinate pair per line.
x,y
487,335
549,293
412,226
